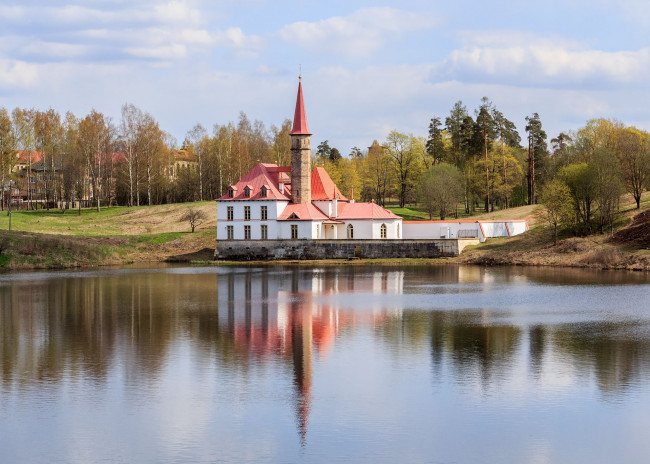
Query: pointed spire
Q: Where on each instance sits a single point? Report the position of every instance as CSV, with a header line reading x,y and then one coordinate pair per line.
x,y
300,117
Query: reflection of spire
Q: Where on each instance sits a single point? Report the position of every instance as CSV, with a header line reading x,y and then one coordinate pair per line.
x,y
301,347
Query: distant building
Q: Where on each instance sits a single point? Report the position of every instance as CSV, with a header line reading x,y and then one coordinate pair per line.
x,y
181,159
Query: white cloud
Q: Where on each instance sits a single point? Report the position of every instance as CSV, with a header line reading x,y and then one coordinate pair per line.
x,y
17,74
178,12
165,52
359,34
521,59
245,45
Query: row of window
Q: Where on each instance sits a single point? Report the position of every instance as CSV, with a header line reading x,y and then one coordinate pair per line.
x,y
264,213
383,231
264,232
247,192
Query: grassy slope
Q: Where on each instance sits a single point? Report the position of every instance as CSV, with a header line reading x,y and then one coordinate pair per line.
x,y
47,239
536,246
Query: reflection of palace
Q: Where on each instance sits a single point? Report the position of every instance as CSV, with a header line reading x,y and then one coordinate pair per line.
x,y
271,314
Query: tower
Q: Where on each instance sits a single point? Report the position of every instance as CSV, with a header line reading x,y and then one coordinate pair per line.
x,y
300,153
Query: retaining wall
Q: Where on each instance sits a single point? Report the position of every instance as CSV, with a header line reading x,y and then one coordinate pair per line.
x,y
248,250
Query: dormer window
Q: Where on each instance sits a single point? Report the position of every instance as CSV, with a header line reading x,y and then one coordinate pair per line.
x,y
294,216
263,191
231,193
247,192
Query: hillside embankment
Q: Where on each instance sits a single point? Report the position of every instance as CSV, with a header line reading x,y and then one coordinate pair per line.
x,y
120,235
627,248
114,236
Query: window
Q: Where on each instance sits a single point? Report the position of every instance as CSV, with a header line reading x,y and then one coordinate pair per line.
x,y
264,213
264,232
294,231
231,193
32,180
397,230
383,230
230,232
247,192
317,230
247,213
247,232
350,231
263,191
231,215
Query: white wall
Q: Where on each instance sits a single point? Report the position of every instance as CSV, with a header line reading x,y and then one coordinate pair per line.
x,y
494,229
517,227
391,231
306,229
450,229
274,209
428,230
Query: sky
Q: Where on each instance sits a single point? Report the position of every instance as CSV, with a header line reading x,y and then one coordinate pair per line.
x,y
368,67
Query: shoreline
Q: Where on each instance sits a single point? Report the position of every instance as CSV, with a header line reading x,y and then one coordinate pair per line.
x,y
26,251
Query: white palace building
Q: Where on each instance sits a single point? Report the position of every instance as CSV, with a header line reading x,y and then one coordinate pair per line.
x,y
291,203
293,211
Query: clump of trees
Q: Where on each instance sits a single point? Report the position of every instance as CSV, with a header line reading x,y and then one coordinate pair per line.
x,y
596,165
441,190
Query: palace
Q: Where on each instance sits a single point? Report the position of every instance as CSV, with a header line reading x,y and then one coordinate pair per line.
x,y
294,212
293,202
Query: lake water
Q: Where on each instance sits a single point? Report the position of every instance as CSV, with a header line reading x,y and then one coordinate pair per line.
x,y
435,364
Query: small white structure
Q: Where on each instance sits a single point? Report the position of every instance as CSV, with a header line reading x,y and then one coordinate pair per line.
x,y
481,229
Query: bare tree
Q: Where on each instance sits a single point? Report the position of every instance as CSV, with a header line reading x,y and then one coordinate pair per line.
x,y
198,137
150,144
128,137
194,216
7,147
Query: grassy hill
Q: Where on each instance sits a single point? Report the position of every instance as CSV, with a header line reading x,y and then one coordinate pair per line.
x,y
117,235
628,248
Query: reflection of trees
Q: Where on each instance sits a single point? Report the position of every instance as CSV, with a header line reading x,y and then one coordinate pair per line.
x,y
58,327
613,352
489,349
455,338
77,326
536,348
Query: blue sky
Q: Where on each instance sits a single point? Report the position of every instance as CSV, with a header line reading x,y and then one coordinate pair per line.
x,y
368,66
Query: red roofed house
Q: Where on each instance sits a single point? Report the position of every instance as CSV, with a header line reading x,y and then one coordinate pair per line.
x,y
277,203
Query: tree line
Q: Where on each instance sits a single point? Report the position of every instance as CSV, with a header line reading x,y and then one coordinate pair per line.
x,y
475,159
128,162
479,160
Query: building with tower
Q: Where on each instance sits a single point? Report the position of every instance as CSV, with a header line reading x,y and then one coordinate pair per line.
x,y
297,203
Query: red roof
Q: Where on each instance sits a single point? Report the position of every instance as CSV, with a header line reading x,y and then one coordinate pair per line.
x,y
301,212
300,117
323,187
363,211
261,175
22,156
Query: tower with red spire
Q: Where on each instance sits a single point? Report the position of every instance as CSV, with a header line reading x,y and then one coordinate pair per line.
x,y
300,153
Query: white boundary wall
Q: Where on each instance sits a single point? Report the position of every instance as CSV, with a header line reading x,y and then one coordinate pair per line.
x,y
418,230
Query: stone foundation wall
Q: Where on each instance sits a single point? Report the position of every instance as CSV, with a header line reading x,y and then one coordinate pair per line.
x,y
258,250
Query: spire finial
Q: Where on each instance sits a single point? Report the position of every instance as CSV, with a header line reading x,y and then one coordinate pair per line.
x,y
299,72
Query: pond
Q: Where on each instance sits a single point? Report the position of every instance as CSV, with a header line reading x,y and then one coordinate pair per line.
x,y
446,364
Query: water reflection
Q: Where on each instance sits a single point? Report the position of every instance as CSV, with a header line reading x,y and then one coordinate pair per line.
x,y
477,327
